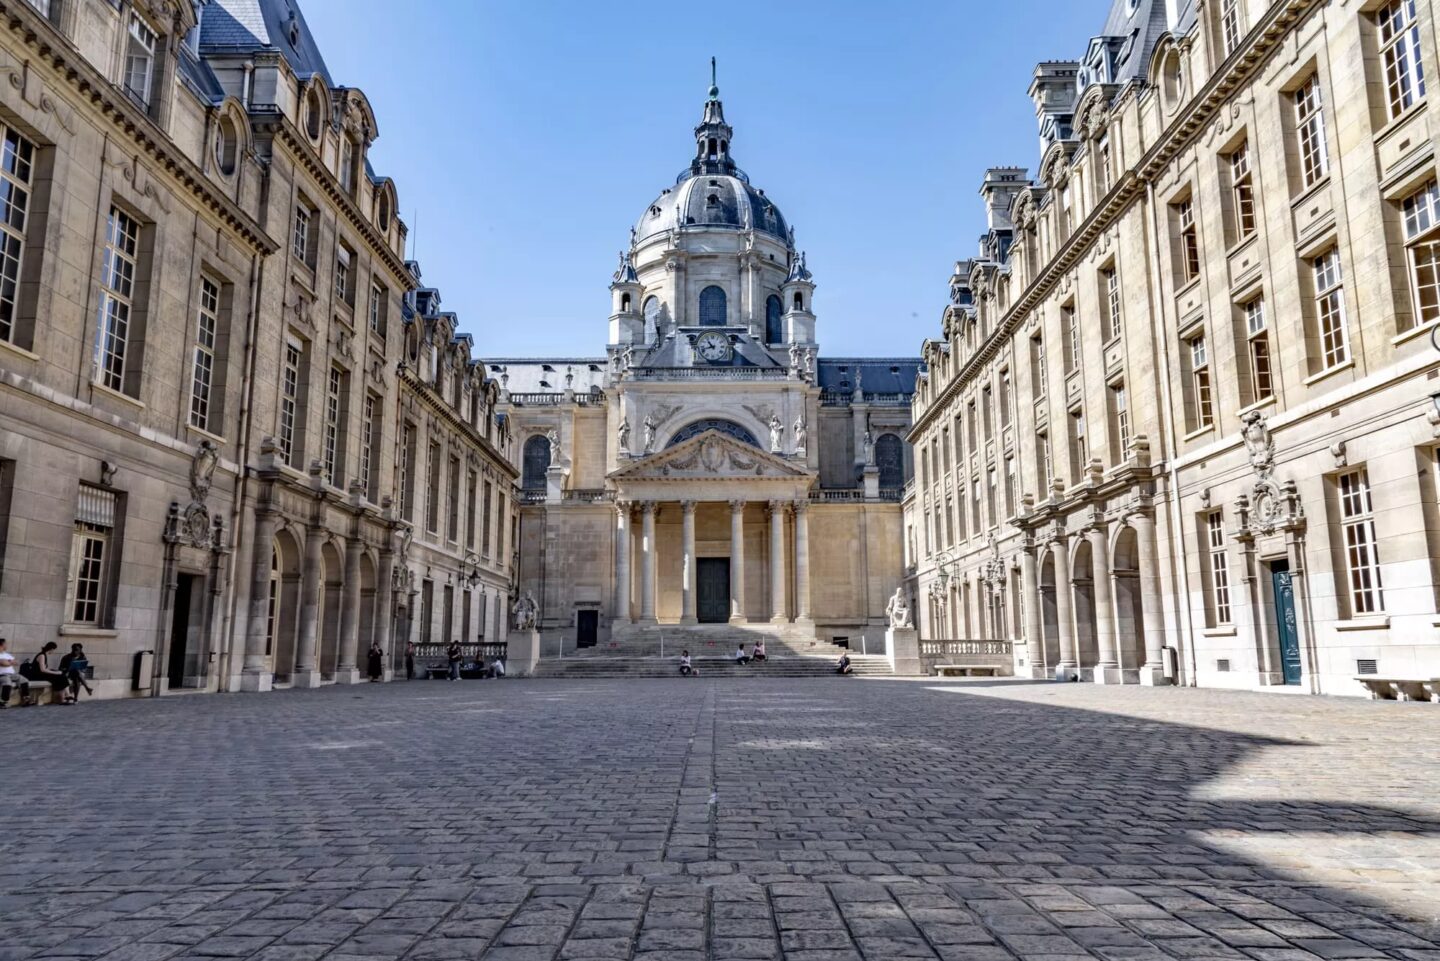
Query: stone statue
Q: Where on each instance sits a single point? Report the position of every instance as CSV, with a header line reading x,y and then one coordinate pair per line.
x,y
777,433
897,609
800,433
869,444
524,611
797,358
624,435
553,436
649,436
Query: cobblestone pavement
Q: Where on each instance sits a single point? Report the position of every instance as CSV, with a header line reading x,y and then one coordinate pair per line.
x,y
679,820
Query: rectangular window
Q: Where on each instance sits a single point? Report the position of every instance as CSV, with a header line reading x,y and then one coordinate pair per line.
x,y
347,164
992,484
1070,320
1357,515
405,472
1037,366
117,288
292,422
1012,492
1200,382
337,411
343,256
1120,414
1218,563
300,234
971,420
1189,253
203,378
1422,240
471,496
1005,401
432,486
93,552
1400,54
1330,309
139,60
1258,341
987,410
369,445
487,493
452,496
1110,281
1079,448
379,308
1242,192
950,521
945,448
1230,31
1047,464
427,612
977,519
43,6
17,169
1310,132
1105,164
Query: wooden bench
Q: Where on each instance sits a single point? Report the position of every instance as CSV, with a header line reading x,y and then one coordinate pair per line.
x,y
1401,688
965,670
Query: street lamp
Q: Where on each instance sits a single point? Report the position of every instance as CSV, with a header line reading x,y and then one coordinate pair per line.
x,y
470,569
944,571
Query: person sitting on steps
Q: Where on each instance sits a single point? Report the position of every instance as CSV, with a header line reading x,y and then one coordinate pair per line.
x,y
685,669
844,666
740,656
757,653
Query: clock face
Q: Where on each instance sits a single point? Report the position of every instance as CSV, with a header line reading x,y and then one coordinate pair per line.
x,y
713,346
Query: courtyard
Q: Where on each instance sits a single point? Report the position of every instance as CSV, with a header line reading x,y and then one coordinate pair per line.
x,y
677,820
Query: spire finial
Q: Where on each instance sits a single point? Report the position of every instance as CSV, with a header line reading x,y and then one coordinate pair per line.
x,y
714,88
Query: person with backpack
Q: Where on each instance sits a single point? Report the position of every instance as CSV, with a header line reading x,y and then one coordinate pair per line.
x,y
9,679
38,670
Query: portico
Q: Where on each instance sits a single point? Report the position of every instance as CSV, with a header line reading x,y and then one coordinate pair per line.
x,y
723,536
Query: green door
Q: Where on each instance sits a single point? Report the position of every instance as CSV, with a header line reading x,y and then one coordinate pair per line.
x,y
1288,631
712,600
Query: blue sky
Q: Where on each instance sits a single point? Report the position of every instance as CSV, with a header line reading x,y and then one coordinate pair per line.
x,y
525,137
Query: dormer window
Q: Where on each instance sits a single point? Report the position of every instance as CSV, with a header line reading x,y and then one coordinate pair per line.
x,y
347,164
713,200
140,60
313,114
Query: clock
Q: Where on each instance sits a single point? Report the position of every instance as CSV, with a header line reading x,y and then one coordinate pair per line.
x,y
713,346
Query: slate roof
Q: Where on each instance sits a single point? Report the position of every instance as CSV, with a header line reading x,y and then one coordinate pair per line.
x,y
879,375
239,26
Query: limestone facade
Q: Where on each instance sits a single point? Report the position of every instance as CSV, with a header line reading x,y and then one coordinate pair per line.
x,y
710,467
211,348
1198,349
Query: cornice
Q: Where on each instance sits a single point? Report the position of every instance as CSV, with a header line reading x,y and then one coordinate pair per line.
x,y
427,397
1241,66
129,121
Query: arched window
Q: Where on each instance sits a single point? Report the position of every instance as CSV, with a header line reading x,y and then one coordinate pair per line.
x,y
799,301
537,461
890,458
774,332
727,427
624,303
712,307
652,319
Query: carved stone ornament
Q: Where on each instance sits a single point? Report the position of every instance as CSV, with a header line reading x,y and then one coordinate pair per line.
x,y
1258,443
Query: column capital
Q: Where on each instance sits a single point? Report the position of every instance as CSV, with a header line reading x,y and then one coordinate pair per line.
x,y
777,507
738,506
688,507
648,507
800,506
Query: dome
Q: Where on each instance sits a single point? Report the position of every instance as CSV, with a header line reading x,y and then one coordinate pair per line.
x,y
712,200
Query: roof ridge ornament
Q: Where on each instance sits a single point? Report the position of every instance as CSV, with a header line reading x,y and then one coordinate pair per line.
x,y
714,86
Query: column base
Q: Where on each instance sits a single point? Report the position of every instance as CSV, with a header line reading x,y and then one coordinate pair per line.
x,y
1038,672
687,619
1153,675
739,619
257,683
805,620
1067,672
779,619
1109,674
648,621
305,679
348,675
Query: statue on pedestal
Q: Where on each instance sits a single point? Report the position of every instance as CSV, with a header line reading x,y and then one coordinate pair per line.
x,y
897,609
525,610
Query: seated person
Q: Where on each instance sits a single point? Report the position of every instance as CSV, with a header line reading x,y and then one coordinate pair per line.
x,y
757,653
740,656
9,679
73,666
685,668
497,667
844,666
38,669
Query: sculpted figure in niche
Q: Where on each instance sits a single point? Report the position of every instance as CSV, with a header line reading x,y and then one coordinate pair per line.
x,y
800,433
649,438
777,432
623,435
897,609
524,611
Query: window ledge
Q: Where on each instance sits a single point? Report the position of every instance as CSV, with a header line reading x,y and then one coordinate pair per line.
x,y
1309,192
304,275
87,630
216,439
1378,622
1395,123
1224,630
102,389
1198,433
1414,332
1243,242
18,351
1328,371
1186,286
1258,405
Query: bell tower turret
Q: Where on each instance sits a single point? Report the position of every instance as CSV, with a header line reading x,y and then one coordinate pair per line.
x,y
798,291
627,325
712,136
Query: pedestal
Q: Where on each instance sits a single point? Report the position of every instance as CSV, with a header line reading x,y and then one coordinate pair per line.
x,y
870,480
257,683
1153,677
522,653
902,648
305,679
348,676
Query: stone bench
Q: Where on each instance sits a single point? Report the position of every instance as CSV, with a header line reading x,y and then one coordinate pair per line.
x,y
966,670
1401,688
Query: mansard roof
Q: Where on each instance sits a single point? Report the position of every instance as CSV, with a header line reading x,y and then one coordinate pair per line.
x,y
243,26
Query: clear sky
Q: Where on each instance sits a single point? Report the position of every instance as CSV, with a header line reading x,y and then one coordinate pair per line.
x,y
526,136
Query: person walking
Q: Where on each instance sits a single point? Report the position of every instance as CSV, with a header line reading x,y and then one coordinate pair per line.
x,y
376,662
409,660
454,655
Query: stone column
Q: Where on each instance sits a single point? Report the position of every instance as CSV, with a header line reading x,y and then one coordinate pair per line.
x,y
737,562
385,608
1107,671
1034,617
347,672
622,563
777,562
307,671
1153,671
687,571
256,674
647,563
802,561
1069,667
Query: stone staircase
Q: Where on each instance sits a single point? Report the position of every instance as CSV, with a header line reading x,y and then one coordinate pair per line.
x,y
800,665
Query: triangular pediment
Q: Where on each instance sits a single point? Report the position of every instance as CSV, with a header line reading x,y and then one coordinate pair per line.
x,y
710,456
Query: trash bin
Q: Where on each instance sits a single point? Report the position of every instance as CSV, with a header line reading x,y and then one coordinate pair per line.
x,y
142,679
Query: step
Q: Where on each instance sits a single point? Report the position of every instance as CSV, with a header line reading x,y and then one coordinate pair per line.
x,y
626,666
